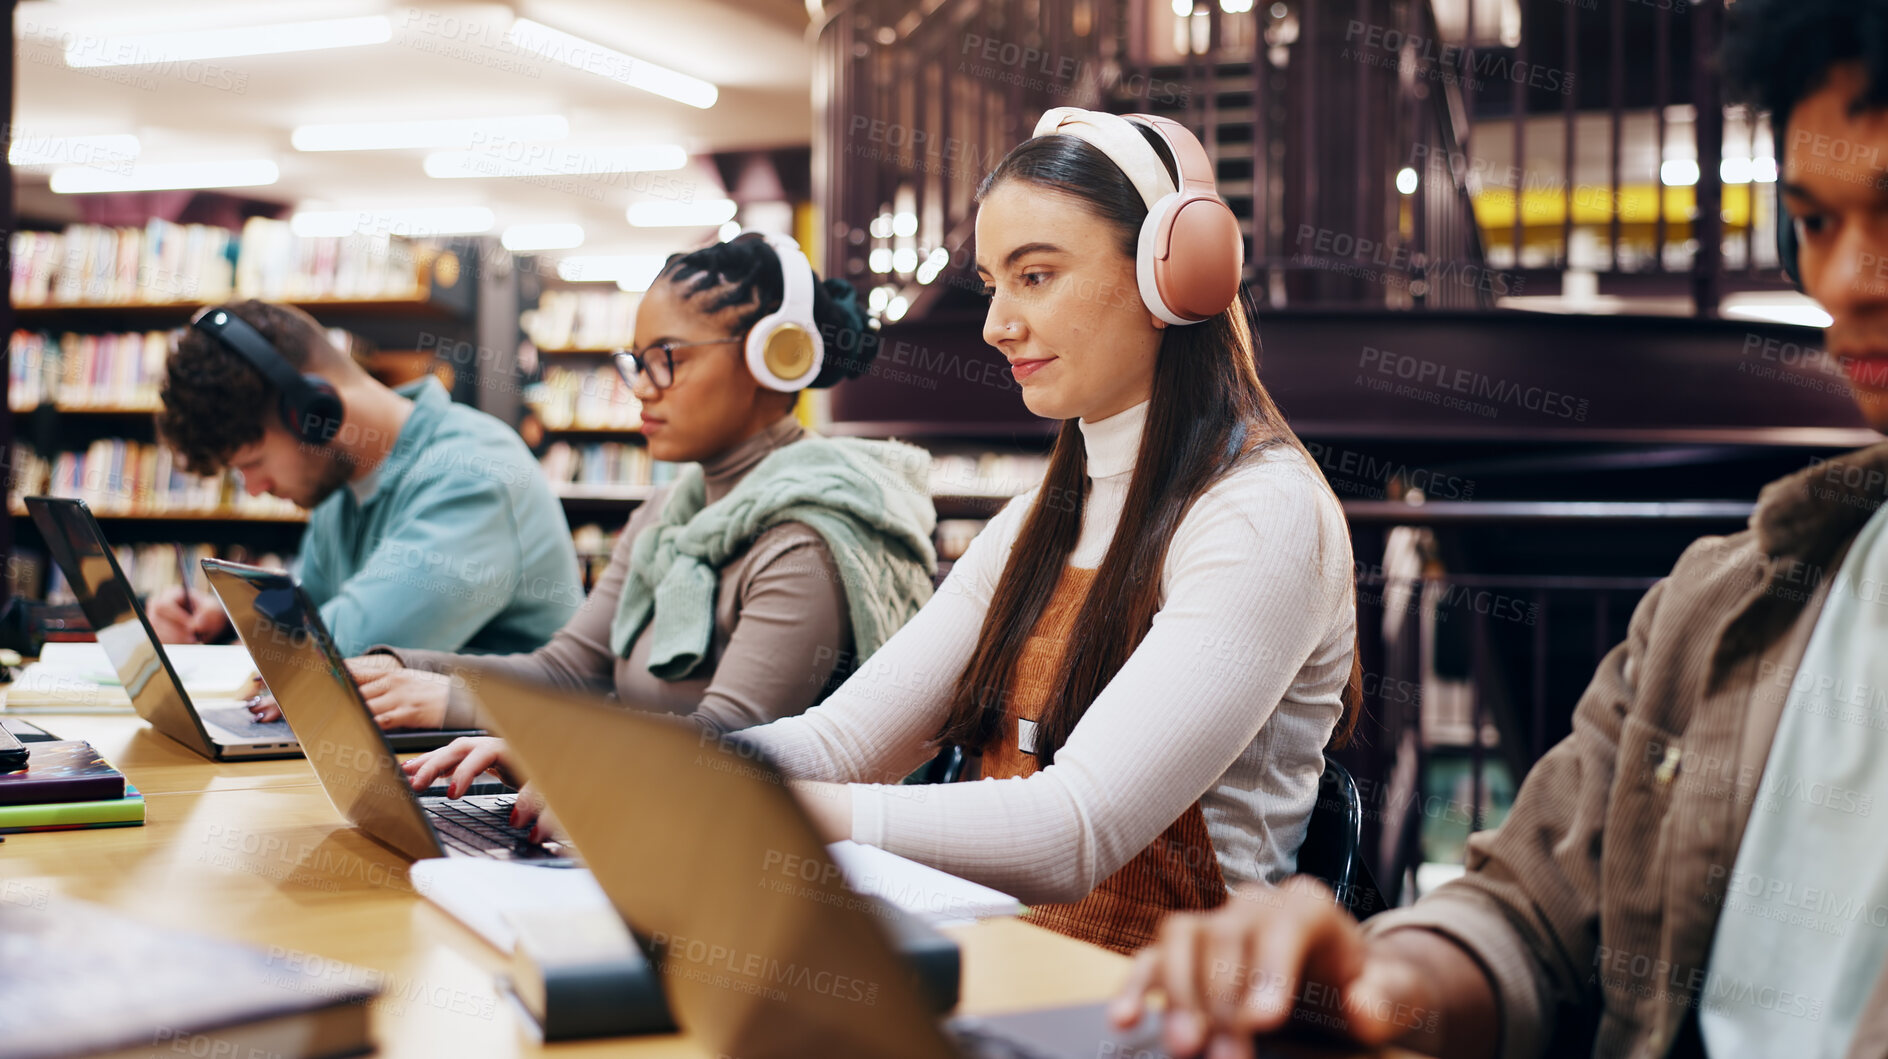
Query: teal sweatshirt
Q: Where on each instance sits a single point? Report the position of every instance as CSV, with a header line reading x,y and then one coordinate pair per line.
x,y
455,543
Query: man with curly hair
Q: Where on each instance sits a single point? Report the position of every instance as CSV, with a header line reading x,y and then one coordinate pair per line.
x,y
429,523
1698,869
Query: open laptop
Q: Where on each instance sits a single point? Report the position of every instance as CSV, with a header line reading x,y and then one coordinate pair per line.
x,y
352,757
765,953
225,733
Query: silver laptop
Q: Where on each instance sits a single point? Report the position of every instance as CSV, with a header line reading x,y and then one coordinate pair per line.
x,y
78,546
226,733
351,756
764,952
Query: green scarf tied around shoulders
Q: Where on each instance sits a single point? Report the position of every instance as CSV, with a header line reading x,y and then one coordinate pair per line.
x,y
869,500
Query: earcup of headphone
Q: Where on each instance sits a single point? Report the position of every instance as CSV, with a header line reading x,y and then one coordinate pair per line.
x,y
784,355
1786,242
318,419
1190,258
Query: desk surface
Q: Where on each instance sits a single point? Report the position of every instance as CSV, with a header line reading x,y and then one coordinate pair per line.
x,y
254,851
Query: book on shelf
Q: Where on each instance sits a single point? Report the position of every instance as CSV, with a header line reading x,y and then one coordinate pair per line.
x,y
150,567
594,546
992,474
955,534
599,465
587,320
82,980
118,476
163,263
592,399
127,811
91,264
275,264
75,371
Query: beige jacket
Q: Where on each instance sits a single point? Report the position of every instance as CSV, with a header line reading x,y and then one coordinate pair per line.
x,y
1593,907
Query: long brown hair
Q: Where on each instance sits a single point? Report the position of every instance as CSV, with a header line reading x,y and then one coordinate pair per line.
x,y
1208,413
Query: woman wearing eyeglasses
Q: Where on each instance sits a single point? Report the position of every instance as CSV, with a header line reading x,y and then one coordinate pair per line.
x,y
731,592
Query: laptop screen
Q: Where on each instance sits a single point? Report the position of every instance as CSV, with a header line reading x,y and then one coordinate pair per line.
x,y
110,605
309,680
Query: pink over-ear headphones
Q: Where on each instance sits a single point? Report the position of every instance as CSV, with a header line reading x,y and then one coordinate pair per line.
x,y
1190,257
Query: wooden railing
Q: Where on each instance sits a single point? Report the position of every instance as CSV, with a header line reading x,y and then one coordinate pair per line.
x,y
1388,153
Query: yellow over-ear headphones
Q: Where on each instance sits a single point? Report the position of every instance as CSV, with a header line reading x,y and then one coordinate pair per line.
x,y
784,349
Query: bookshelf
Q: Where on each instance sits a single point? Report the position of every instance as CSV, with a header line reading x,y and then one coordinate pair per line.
x,y
94,308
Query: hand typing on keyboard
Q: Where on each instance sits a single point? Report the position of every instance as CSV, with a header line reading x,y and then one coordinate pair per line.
x,y
464,760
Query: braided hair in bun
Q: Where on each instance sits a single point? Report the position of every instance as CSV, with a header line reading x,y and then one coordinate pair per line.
x,y
744,273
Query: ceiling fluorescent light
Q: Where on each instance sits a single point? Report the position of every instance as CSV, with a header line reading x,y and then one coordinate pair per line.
x,y
708,213
113,151
626,270
513,159
85,180
149,48
413,222
590,57
449,132
522,237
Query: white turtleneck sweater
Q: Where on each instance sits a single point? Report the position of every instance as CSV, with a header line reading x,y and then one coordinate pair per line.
x,y
1228,700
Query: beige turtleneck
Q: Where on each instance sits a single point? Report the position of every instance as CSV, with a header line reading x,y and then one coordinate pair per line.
x,y
781,623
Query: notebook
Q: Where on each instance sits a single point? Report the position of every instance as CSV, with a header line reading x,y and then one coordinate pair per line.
x,y
489,895
68,816
73,677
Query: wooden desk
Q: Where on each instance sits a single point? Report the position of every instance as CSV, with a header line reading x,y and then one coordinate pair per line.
x,y
254,851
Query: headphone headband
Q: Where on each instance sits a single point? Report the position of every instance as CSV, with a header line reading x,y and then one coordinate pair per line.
x,y
784,349
241,337
1119,140
1190,255
796,277
308,406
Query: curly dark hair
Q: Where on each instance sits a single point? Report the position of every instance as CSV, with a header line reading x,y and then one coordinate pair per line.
x,y
214,401
1777,52
744,273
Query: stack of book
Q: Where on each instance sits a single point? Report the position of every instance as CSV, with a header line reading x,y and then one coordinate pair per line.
x,y
66,785
89,264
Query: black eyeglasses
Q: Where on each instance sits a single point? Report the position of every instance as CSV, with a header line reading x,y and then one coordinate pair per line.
x,y
657,361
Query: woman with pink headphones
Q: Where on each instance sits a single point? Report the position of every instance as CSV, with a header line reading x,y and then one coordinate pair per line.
x,y
1145,657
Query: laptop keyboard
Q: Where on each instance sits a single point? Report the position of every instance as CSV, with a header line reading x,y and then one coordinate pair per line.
x,y
480,826
239,722
975,1041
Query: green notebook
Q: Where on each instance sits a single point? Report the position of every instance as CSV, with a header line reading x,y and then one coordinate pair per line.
x,y
61,816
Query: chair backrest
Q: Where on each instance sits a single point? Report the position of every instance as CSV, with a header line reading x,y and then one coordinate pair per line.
x,y
1333,846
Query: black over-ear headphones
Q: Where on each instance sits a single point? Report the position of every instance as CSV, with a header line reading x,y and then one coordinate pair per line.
x,y
310,408
1786,228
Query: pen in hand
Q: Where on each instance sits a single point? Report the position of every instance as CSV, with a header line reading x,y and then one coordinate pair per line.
x,y
183,578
